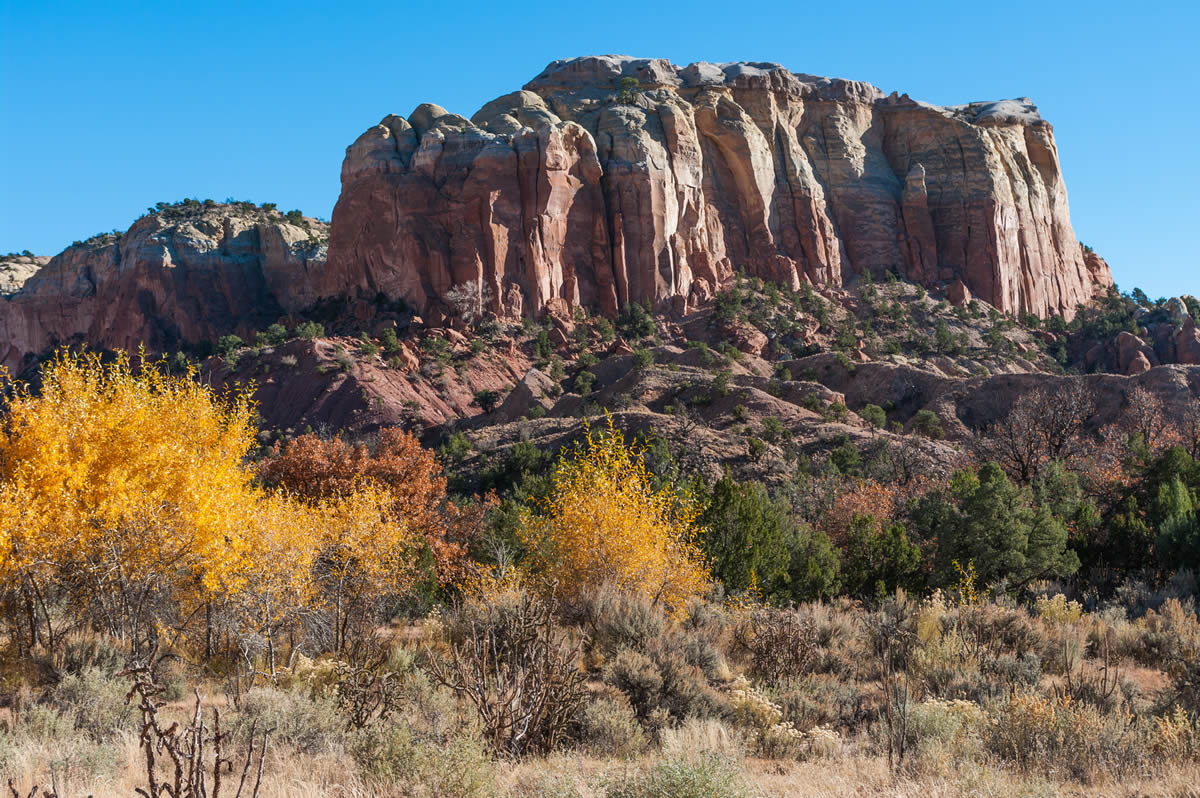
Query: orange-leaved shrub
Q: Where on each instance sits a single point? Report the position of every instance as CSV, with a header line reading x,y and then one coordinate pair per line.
x,y
318,469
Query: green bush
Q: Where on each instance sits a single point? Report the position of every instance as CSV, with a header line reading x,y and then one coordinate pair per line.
x,y
748,536
309,723
927,423
227,345
585,382
486,400
459,767
95,702
874,415
681,777
720,383
308,330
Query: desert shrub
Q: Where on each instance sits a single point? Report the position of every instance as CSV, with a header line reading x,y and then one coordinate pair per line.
x,y
679,777
775,737
836,411
90,653
642,358
486,400
308,330
943,733
227,345
719,387
1183,654
458,767
585,381
1057,609
615,619
519,672
873,415
637,676
95,702
1174,737
1060,737
782,643
309,723
927,423
826,701
74,759
609,727
662,681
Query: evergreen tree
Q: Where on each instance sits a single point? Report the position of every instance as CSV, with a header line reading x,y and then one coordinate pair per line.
x,y
988,520
815,568
1178,542
747,537
879,559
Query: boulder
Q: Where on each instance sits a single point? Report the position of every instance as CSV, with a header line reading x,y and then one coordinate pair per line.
x,y
745,336
1187,343
532,389
1138,364
1129,347
958,293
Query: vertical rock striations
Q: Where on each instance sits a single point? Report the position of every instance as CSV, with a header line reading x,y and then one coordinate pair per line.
x,y
606,180
586,188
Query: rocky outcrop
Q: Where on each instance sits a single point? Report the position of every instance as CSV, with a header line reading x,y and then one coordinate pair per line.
x,y
182,275
1166,334
15,270
611,179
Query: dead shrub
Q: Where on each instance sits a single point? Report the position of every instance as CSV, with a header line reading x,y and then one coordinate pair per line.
x,y
517,669
782,644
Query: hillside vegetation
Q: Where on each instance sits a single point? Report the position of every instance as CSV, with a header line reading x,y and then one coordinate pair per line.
x,y
192,609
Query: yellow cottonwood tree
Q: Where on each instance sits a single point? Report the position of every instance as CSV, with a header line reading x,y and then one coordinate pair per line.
x,y
605,522
365,554
271,586
119,483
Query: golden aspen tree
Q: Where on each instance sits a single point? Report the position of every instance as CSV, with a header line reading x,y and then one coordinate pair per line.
x,y
604,522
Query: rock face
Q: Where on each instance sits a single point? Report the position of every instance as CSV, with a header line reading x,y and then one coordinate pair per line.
x,y
610,179
185,274
15,270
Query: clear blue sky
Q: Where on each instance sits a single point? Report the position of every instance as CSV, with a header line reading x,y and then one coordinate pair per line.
x,y
106,108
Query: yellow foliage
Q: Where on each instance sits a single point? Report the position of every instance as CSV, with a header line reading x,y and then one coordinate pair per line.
x,y
605,523
125,473
118,481
1058,609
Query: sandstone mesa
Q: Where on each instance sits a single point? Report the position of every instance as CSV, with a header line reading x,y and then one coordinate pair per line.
x,y
605,180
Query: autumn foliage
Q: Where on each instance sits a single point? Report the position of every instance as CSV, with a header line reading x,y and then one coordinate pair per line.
x,y
127,504
605,523
125,483
317,469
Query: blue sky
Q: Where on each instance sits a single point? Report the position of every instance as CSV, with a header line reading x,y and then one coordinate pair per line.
x,y
106,108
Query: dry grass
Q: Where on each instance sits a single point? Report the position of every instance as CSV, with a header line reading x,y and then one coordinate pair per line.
x,y
568,775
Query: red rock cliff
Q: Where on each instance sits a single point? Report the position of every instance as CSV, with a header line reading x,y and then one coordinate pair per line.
x,y
578,191
182,275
